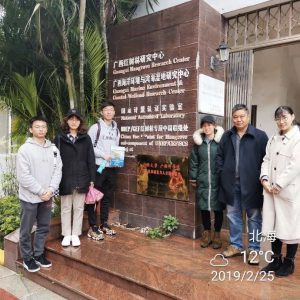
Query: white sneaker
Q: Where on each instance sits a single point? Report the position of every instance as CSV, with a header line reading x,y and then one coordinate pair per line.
x,y
66,241
75,241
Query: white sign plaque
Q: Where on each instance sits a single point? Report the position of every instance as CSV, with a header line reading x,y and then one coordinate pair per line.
x,y
211,95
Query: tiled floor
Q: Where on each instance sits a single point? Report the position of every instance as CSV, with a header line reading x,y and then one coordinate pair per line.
x,y
22,288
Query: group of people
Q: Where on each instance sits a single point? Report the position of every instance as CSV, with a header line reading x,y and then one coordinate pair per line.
x,y
241,169
71,165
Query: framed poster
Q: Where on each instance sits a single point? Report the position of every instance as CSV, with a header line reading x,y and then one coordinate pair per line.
x,y
163,176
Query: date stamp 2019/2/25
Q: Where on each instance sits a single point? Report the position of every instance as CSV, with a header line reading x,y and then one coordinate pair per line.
x,y
248,275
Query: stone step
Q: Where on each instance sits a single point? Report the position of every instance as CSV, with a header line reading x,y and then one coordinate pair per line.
x,y
170,268
99,259
72,283
11,241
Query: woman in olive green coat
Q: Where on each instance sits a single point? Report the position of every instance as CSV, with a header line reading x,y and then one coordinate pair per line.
x,y
204,177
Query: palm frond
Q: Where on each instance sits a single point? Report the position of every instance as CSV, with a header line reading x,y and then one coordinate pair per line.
x,y
149,4
27,92
36,8
95,55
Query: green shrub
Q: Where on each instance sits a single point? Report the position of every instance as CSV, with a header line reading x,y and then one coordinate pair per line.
x,y
8,182
170,223
9,214
155,233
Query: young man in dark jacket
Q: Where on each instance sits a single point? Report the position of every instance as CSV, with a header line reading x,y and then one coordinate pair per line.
x,y
104,135
239,158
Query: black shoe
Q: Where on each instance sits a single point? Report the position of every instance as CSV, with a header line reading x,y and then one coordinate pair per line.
x,y
274,265
30,265
42,261
287,268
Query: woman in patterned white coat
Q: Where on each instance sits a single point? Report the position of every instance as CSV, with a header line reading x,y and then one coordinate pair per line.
x,y
280,177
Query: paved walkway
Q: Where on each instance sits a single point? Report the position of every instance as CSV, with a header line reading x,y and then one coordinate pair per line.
x,y
22,288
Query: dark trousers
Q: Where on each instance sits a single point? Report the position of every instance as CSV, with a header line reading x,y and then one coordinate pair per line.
x,y
207,222
104,182
291,249
31,213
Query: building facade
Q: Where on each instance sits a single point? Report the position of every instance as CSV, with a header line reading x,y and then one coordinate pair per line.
x,y
162,82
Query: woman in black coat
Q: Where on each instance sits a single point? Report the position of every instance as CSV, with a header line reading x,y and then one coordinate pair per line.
x,y
78,173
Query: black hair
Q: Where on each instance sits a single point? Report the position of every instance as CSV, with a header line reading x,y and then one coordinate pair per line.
x,y
240,107
37,118
81,129
106,103
281,110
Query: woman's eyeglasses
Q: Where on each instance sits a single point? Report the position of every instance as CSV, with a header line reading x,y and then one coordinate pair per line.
x,y
283,118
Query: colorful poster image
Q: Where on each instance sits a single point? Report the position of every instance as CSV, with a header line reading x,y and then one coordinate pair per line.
x,y
163,176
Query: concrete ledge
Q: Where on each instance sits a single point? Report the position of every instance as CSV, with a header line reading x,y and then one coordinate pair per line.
x,y
11,250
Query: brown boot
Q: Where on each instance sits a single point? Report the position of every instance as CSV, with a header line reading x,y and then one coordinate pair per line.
x,y
206,239
217,242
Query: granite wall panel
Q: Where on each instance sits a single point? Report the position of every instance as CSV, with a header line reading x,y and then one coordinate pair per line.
x,y
142,221
185,212
192,29
158,207
131,203
122,182
180,14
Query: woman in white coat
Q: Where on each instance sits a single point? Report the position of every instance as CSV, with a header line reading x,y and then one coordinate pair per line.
x,y
280,177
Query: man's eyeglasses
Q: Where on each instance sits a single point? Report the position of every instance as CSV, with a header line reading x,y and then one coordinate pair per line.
x,y
40,127
108,109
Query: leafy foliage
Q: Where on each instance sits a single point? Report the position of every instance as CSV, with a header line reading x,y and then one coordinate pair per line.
x,y
170,224
39,56
56,207
9,214
95,55
155,232
9,204
9,184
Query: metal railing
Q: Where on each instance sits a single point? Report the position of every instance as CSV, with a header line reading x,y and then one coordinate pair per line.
x,y
264,27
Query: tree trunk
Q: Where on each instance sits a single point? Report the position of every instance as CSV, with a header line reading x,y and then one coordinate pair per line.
x,y
38,32
105,43
68,70
67,62
81,56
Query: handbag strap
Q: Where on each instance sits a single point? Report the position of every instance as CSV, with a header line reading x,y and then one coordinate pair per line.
x,y
97,135
54,148
99,131
58,142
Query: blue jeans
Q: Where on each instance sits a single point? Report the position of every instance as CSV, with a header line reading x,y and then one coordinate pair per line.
x,y
235,218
